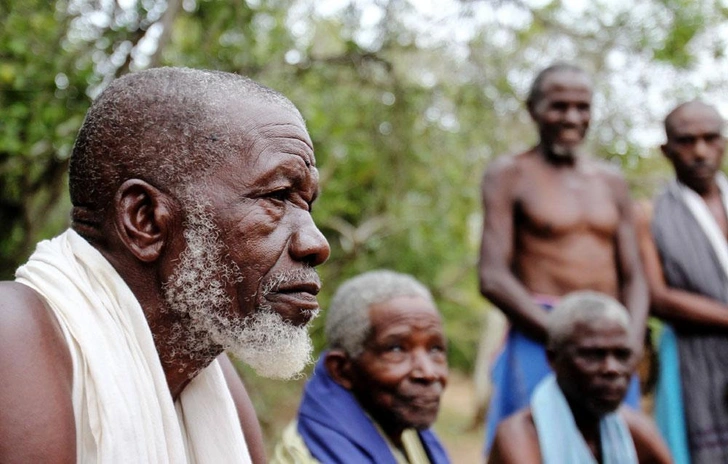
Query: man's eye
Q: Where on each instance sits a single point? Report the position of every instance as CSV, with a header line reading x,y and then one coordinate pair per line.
x,y
279,195
393,348
712,138
685,140
437,348
591,355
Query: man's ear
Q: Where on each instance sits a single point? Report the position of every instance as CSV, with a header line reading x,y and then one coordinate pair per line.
x,y
664,150
338,363
142,217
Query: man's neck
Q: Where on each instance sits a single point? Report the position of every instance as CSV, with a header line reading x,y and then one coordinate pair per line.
x,y
706,191
180,364
558,157
588,426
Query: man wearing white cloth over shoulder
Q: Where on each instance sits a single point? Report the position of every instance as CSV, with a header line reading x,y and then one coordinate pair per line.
x,y
192,234
686,265
575,415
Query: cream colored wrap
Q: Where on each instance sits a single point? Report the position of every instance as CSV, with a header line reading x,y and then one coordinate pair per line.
x,y
123,408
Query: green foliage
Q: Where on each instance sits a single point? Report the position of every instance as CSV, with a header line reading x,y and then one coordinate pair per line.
x,y
42,98
403,122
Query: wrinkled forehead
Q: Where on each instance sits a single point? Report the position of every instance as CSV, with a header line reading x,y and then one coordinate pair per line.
x,y
244,119
407,310
599,331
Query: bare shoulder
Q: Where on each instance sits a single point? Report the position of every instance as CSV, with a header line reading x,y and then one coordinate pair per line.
x,y
36,410
651,449
26,324
505,170
606,170
516,440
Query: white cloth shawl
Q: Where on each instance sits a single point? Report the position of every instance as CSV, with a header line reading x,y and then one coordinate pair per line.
x,y
705,219
559,438
122,405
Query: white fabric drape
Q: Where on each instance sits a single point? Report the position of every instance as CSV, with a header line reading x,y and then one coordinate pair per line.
x,y
123,408
705,218
560,440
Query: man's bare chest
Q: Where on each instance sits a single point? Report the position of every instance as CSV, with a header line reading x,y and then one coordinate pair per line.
x,y
565,204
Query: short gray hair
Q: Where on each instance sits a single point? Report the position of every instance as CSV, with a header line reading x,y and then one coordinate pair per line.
x,y
163,125
347,321
582,307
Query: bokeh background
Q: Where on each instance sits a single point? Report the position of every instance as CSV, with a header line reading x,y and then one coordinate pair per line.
x,y
406,101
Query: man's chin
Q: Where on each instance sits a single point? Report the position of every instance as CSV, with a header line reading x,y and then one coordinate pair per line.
x,y
286,367
272,347
564,150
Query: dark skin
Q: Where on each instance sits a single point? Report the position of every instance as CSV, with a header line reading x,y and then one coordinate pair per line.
x,y
516,441
36,412
142,237
400,376
557,221
695,147
592,369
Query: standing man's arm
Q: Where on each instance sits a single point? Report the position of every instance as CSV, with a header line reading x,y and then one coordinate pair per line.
x,y
246,413
650,447
36,382
671,304
497,281
516,441
634,292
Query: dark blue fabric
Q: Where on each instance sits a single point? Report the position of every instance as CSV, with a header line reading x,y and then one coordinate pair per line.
x,y
520,366
336,429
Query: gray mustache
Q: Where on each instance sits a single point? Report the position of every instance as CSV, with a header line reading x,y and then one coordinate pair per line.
x,y
304,275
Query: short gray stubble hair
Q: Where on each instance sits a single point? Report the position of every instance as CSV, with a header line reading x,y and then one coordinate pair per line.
x,y
582,307
347,322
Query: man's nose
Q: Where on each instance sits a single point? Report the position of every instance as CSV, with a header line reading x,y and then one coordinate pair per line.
x,y
701,149
308,244
572,115
425,368
613,366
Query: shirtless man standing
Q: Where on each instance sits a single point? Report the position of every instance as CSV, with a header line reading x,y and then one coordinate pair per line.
x,y
556,221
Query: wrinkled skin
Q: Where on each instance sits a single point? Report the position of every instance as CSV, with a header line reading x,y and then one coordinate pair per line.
x,y
261,204
563,112
401,374
695,144
593,367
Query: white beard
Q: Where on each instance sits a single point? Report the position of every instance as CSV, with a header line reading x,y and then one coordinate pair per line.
x,y
196,291
561,151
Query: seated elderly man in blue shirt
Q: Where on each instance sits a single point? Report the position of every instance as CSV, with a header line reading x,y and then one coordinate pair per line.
x,y
376,391
575,415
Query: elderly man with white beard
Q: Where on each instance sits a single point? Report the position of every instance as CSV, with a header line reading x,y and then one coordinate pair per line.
x,y
191,235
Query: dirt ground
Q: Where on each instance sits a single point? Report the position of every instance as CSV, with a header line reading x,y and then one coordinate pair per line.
x,y
457,426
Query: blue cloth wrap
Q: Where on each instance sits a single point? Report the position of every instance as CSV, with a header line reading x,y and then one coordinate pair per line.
x,y
559,438
669,409
336,429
